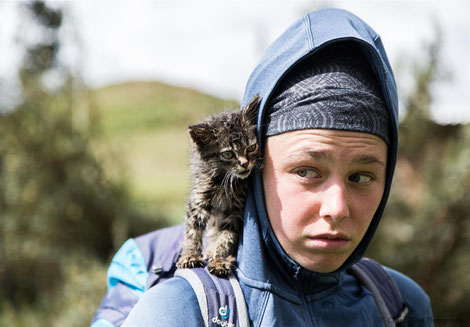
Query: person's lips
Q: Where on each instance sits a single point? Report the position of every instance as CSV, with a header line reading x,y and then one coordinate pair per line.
x,y
332,236
329,240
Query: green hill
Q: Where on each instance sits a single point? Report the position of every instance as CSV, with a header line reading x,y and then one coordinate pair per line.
x,y
144,124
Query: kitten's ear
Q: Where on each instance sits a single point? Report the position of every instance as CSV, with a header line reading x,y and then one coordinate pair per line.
x,y
251,110
201,134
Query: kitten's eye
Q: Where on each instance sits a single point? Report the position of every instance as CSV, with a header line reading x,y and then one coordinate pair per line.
x,y
227,154
252,148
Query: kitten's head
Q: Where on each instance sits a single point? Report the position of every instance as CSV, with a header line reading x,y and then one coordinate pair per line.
x,y
227,142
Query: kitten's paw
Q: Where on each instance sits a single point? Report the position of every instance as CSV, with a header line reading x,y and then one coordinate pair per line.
x,y
190,261
221,267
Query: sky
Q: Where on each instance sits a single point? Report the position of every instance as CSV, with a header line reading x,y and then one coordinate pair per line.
x,y
213,45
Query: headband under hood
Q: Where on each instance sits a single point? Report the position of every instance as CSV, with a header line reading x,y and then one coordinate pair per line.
x,y
315,31
332,89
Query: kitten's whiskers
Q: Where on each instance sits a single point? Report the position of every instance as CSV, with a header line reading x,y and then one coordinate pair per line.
x,y
225,181
232,177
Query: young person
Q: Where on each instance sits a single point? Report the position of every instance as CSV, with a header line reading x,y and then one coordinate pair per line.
x,y
328,126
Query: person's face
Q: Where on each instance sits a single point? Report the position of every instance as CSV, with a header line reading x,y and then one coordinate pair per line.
x,y
322,188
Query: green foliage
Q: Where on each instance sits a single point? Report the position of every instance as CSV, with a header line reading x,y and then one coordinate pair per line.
x,y
57,201
426,227
81,289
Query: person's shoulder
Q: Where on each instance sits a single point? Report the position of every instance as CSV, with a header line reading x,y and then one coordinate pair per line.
x,y
415,297
162,237
410,290
171,303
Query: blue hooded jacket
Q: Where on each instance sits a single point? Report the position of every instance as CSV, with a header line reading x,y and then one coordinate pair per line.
x,y
278,291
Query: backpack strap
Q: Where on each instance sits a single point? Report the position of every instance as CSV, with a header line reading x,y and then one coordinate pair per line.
x,y
161,249
220,299
385,291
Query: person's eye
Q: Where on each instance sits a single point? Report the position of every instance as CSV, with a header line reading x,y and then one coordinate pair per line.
x,y
361,178
307,173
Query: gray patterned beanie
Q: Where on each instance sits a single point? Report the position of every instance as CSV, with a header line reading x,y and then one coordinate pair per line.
x,y
333,89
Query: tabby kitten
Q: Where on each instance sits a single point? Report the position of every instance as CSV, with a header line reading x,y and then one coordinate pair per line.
x,y
224,151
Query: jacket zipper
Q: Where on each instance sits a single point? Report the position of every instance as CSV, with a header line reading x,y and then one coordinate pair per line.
x,y
305,309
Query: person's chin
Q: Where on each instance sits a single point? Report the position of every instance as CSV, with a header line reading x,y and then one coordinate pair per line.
x,y
324,262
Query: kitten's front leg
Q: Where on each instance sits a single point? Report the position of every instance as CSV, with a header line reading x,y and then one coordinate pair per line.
x,y
191,254
221,250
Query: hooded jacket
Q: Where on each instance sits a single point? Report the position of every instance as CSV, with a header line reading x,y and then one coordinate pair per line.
x,y
278,291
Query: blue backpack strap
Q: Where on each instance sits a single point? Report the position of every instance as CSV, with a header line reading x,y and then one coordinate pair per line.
x,y
220,298
385,291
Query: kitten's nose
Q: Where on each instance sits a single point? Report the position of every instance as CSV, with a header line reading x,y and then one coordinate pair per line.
x,y
243,162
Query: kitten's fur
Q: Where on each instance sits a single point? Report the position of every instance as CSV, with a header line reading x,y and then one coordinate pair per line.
x,y
224,152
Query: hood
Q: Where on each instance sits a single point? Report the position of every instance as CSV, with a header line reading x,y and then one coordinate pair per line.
x,y
259,249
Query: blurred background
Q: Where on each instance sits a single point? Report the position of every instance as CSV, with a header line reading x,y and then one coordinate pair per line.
x,y
95,97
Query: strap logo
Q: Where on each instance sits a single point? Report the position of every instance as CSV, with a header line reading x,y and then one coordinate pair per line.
x,y
224,312
221,323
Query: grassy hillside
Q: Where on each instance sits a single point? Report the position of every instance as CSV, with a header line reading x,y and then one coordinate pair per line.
x,y
144,123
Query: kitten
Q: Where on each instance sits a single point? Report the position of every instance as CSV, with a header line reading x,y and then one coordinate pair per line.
x,y
224,151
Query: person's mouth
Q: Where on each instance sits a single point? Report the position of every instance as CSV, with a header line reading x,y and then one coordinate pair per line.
x,y
330,240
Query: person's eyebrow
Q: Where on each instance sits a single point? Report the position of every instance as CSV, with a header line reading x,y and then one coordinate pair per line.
x,y
326,156
311,154
369,160
319,155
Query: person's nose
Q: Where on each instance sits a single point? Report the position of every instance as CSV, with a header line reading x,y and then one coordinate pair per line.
x,y
334,205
